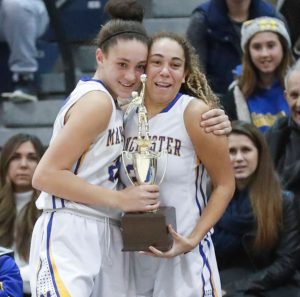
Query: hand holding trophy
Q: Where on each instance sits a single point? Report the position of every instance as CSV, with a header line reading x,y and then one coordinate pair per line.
x,y
143,229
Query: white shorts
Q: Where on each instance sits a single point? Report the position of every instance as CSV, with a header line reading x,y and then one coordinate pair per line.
x,y
191,275
77,256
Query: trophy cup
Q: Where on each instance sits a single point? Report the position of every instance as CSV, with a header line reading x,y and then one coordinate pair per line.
x,y
143,229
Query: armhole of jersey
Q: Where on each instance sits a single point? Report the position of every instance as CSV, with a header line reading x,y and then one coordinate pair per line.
x,y
75,100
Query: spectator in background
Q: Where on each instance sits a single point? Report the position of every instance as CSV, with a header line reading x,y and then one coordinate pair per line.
x,y
257,241
258,94
18,213
21,23
214,31
10,278
284,137
291,11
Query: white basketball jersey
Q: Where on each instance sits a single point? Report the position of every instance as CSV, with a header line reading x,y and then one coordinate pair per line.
x,y
184,184
100,163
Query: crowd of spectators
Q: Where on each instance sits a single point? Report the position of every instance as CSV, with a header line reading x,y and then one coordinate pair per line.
x,y
248,50
215,33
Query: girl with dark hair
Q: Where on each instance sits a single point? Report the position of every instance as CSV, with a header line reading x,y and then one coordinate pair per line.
x,y
176,95
18,213
257,96
257,240
76,245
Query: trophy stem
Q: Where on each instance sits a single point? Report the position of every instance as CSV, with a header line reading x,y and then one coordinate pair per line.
x,y
125,168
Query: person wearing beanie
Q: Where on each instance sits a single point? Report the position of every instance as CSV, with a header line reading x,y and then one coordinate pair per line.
x,y
263,24
257,95
215,32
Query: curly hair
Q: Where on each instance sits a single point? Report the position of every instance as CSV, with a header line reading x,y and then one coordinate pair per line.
x,y
195,84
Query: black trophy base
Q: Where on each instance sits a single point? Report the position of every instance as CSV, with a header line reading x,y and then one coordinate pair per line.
x,y
143,229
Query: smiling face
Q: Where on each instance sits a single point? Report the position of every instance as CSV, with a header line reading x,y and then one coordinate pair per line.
x,y
244,157
266,52
165,71
121,67
22,166
292,95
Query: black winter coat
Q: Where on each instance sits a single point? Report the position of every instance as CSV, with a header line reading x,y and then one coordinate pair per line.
x,y
266,270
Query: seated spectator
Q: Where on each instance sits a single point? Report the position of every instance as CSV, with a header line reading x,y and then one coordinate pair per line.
x,y
21,23
18,213
258,94
257,241
284,137
10,278
215,33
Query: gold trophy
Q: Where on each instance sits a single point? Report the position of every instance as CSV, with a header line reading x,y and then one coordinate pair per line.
x,y
143,229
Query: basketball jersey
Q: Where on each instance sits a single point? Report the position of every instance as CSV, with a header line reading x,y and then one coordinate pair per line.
x,y
99,165
184,184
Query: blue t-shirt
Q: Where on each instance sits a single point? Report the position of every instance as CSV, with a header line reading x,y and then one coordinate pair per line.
x,y
267,105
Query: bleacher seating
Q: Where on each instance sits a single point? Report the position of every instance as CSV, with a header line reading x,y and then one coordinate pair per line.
x,y
168,15
37,118
34,118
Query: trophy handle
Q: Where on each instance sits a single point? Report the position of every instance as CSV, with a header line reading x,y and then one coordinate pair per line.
x,y
127,155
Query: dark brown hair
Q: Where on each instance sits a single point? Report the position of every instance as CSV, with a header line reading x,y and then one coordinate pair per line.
x,y
126,24
13,228
264,189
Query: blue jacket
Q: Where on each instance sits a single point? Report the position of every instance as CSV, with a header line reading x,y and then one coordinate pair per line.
x,y
10,279
217,39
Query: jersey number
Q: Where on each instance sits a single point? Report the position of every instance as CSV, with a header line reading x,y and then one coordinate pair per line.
x,y
113,170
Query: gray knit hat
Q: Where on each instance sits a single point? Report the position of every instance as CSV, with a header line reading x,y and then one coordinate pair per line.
x,y
263,24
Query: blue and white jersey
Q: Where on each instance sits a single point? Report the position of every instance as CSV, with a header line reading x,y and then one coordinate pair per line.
x,y
184,184
100,163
